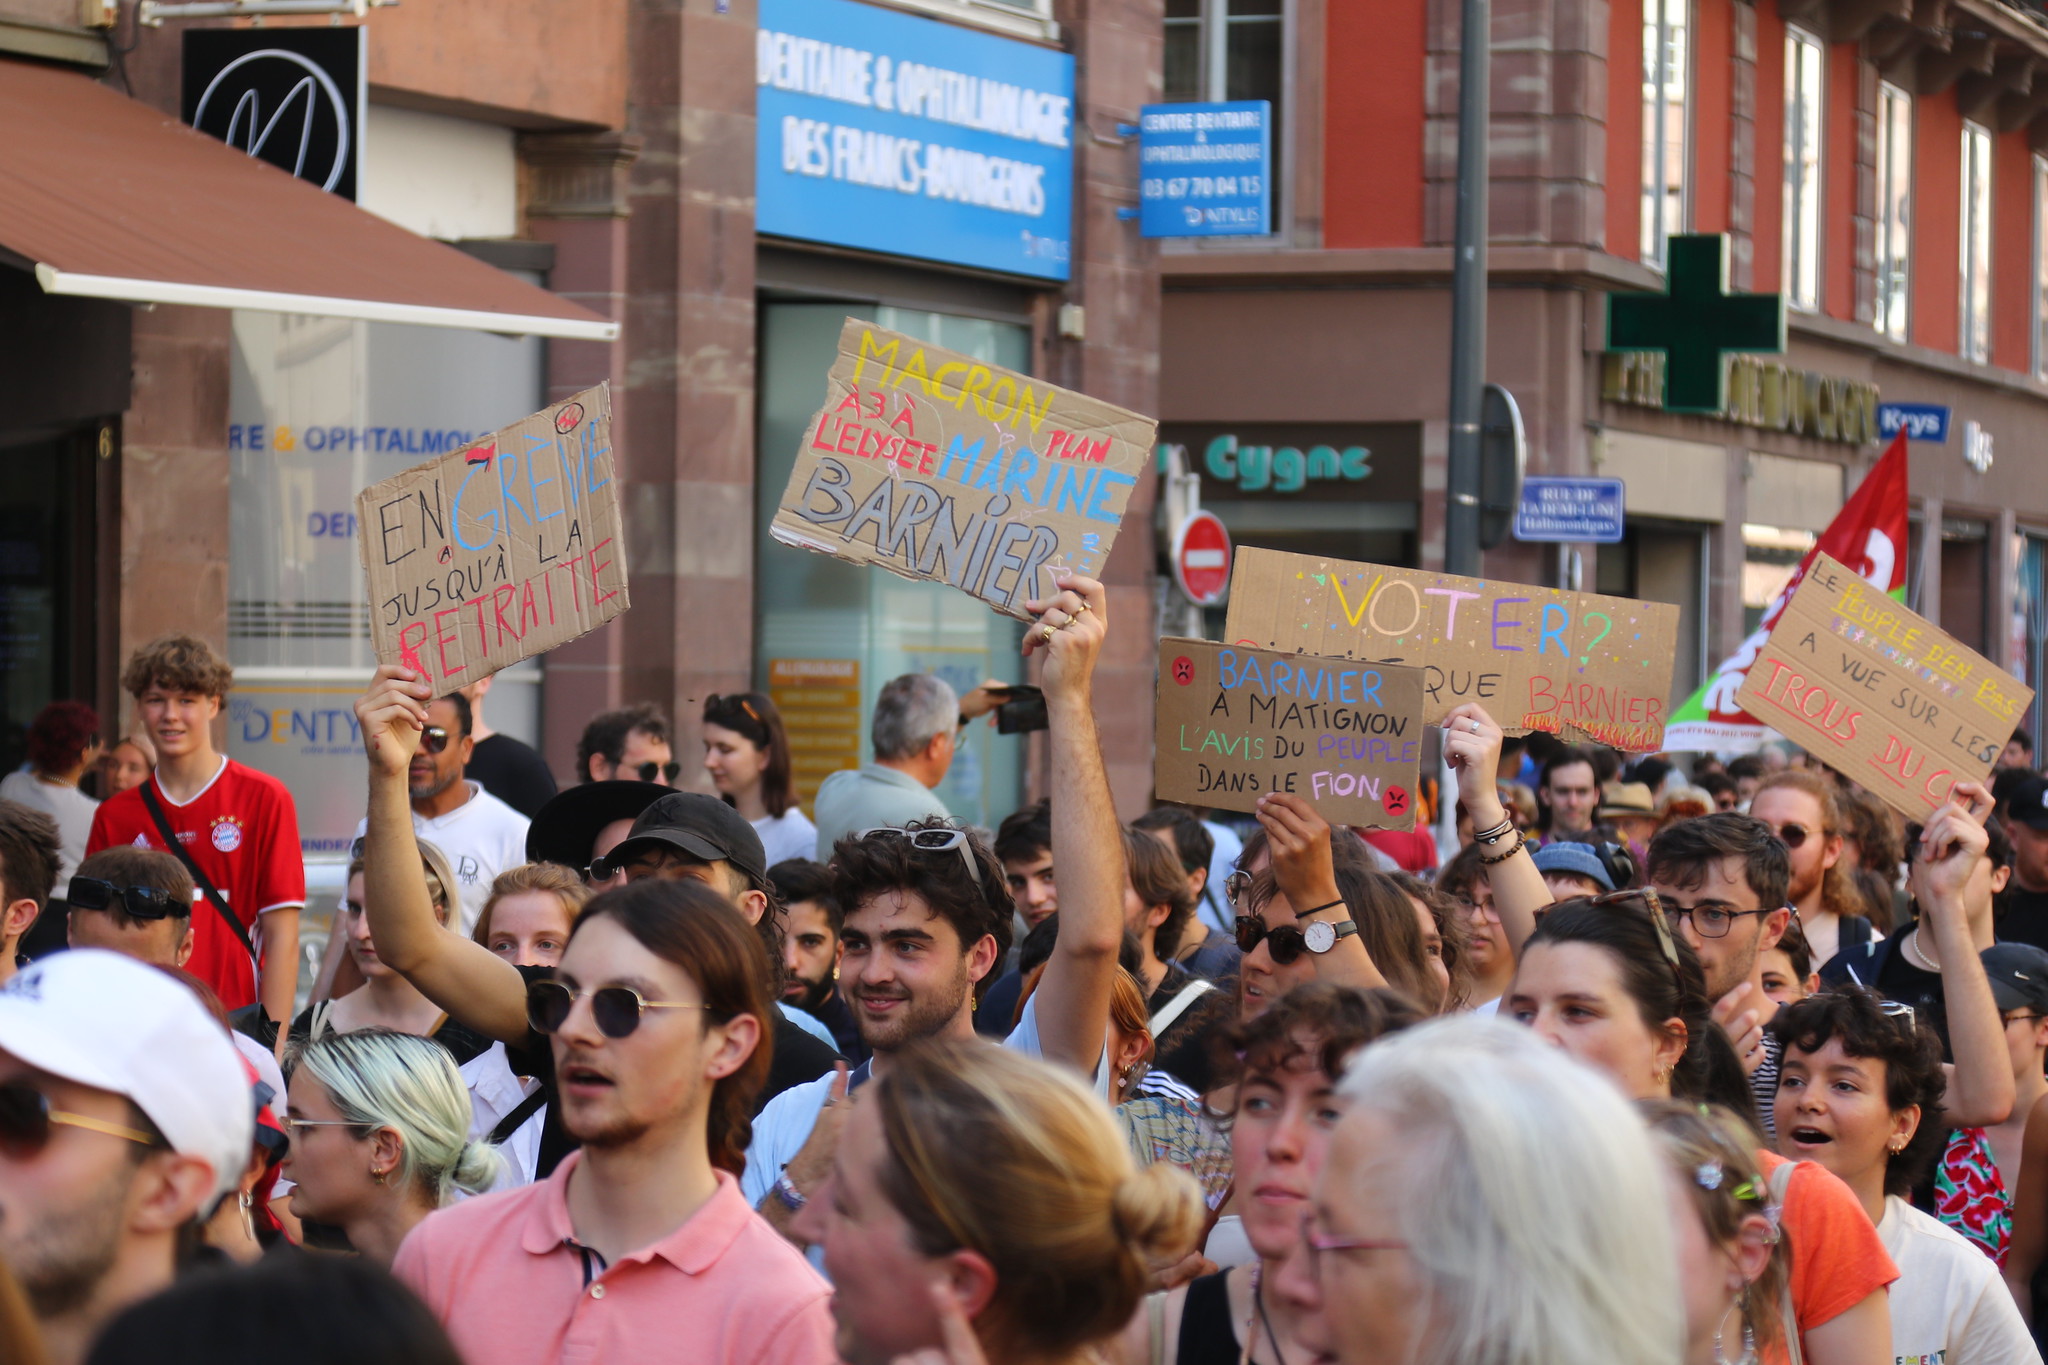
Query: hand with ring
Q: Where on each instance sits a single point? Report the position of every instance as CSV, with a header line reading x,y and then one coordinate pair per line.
x,y
1069,631
1471,745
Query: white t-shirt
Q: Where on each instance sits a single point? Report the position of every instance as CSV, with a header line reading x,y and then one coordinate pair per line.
x,y
71,808
788,835
482,837
1949,1304
781,1129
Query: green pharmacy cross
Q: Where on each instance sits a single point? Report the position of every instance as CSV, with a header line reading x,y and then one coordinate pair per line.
x,y
1695,321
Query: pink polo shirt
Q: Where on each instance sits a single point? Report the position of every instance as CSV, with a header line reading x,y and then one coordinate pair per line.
x,y
502,1274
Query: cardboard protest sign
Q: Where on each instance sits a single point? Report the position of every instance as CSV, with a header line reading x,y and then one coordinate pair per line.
x,y
498,550
1234,723
1569,663
1880,693
941,467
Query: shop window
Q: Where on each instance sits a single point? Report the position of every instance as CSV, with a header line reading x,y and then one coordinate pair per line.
x,y
2029,624
1965,579
1894,207
1664,561
1770,554
1228,50
1804,123
1974,269
46,581
1667,123
821,619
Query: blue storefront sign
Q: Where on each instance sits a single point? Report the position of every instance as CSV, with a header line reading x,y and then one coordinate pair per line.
x,y
892,133
1920,421
1205,170
1570,511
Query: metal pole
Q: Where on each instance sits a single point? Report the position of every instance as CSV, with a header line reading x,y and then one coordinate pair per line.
x,y
1468,293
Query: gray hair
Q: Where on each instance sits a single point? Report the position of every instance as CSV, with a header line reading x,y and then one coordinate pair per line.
x,y
1530,1195
380,1078
910,711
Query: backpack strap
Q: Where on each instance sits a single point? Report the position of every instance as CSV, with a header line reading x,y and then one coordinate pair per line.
x,y
516,1120
1780,1184
199,877
1176,1007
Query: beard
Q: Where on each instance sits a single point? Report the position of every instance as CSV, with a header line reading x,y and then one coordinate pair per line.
x,y
808,995
922,1015
61,1260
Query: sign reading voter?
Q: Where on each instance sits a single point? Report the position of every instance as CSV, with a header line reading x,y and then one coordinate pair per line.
x,y
940,467
1880,693
903,135
1234,723
1570,511
1567,663
499,550
1205,170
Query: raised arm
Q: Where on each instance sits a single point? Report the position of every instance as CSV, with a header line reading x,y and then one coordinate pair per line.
x,y
1072,1000
1300,841
2029,1213
1472,746
1980,1087
463,977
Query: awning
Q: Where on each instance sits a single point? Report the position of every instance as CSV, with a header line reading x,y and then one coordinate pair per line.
x,y
105,197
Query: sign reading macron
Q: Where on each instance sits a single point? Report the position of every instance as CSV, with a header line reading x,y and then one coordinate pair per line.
x,y
893,133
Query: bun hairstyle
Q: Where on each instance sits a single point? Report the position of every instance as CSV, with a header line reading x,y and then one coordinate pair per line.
x,y
381,1078
1009,1158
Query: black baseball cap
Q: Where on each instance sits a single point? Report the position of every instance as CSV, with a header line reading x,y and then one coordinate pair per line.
x,y
2029,804
701,826
564,829
2019,976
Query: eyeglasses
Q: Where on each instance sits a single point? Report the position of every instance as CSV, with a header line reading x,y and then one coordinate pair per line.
x,y
650,770
1320,1244
140,902
433,739
1286,944
2022,1016
26,1119
1708,921
1894,1009
930,841
602,870
296,1124
1793,836
615,1009
1236,884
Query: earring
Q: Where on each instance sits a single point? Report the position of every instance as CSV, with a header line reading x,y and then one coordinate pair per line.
x,y
379,1176
1748,1356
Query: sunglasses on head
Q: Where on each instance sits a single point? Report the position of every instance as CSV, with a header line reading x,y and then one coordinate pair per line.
x,y
650,770
433,739
616,1010
139,902
26,1119
930,841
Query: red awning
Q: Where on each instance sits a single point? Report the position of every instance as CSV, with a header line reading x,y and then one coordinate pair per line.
x,y
104,197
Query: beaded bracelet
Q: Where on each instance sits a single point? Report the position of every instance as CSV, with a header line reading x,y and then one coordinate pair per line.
x,y
1489,861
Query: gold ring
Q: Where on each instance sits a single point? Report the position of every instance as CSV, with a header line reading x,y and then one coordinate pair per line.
x,y
1083,607
1047,632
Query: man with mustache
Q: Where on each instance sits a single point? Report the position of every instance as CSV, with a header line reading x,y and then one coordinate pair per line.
x,y
811,950
927,919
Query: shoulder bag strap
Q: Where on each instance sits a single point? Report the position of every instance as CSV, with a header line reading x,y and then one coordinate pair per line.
x,y
1176,1007
1788,1312
205,883
516,1120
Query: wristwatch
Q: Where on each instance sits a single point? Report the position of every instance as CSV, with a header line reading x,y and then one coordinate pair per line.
x,y
1321,935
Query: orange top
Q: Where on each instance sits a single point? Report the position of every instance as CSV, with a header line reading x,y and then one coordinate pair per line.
x,y
1837,1259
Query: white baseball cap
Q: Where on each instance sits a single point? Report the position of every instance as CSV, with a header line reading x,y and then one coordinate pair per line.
x,y
98,1018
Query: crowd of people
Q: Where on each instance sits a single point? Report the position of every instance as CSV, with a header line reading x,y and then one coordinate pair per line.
x,y
1662,1064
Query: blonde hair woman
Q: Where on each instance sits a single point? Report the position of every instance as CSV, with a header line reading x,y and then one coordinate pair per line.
x,y
379,1126
527,919
985,1205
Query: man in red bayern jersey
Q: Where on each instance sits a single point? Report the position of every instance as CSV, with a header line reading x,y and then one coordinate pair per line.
x,y
233,824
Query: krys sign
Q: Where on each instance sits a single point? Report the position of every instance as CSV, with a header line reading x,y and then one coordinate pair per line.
x,y
939,467
499,550
1567,663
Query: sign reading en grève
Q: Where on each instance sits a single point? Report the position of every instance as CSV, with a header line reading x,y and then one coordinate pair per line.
x,y
1881,693
1233,724
498,550
939,467
1568,663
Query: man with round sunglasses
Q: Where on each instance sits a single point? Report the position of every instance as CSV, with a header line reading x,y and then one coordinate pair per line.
x,y
631,743
134,901
927,917
638,1245
125,1116
1801,807
481,835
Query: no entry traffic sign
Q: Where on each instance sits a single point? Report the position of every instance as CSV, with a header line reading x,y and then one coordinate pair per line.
x,y
1201,559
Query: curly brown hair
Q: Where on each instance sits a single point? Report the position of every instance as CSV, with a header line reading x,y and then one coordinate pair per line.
x,y
178,663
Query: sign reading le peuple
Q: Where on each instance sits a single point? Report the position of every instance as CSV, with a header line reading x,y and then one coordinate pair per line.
x,y
497,550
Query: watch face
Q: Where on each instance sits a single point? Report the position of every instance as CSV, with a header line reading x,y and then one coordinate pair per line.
x,y
1320,936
